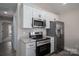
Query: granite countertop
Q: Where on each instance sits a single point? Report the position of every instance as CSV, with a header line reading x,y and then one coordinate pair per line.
x,y
44,38
27,40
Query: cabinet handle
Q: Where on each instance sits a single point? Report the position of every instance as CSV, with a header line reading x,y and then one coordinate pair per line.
x,y
31,45
39,15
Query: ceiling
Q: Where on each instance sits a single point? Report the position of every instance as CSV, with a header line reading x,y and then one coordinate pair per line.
x,y
10,8
58,8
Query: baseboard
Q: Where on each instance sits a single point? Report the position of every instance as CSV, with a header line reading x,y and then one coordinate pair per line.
x,y
72,50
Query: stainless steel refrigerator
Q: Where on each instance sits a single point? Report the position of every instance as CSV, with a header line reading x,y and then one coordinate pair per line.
x,y
56,30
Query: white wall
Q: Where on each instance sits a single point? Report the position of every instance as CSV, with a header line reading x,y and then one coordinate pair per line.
x,y
71,21
14,37
18,23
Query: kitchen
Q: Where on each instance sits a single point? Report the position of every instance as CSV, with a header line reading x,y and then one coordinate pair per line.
x,y
40,29
39,32
52,29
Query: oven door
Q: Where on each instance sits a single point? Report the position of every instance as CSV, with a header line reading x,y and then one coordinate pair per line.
x,y
43,49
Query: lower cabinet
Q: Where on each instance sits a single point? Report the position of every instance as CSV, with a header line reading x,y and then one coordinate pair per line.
x,y
28,49
31,49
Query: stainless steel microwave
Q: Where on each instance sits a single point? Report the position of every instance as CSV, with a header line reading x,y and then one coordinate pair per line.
x,y
38,22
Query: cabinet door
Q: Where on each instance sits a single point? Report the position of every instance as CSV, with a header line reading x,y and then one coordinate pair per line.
x,y
36,13
47,23
47,20
23,48
43,14
30,49
27,16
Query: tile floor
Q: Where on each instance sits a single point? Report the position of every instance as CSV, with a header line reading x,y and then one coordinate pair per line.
x,y
64,53
6,49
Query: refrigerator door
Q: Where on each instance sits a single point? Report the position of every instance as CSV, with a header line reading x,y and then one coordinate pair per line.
x,y
60,35
57,31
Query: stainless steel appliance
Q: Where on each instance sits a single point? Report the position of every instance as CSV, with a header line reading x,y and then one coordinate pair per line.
x,y
36,35
42,47
42,44
57,31
38,22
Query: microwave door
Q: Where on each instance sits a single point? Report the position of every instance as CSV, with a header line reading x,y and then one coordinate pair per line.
x,y
38,23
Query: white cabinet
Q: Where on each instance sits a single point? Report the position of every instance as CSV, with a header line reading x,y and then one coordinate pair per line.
x,y
27,16
28,49
29,12
49,17
52,45
43,14
36,13
47,23
47,20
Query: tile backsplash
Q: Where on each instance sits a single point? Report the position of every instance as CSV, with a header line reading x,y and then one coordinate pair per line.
x,y
28,30
40,30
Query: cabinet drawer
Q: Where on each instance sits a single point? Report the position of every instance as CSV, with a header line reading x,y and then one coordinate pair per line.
x,y
32,44
30,49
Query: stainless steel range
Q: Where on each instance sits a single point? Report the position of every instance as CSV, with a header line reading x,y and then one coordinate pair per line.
x,y
43,47
42,44
36,35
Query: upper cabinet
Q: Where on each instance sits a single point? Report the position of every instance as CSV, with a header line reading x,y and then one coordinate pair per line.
x,y
30,12
36,13
48,20
27,16
43,14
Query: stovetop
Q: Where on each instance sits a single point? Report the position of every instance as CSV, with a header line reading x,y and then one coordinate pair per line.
x,y
43,39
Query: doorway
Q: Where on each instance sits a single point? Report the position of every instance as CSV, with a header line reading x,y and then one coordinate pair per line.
x,y
6,32
7,41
